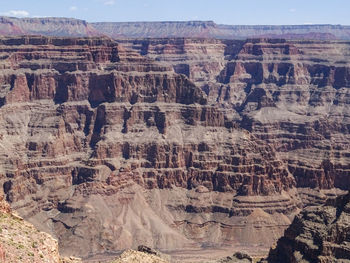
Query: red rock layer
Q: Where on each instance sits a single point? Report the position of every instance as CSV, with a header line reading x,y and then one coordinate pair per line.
x,y
106,150
291,94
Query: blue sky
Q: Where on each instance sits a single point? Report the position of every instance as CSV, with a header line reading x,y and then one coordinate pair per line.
x,y
221,11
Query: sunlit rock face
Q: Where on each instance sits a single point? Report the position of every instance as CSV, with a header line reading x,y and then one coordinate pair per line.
x,y
170,143
291,94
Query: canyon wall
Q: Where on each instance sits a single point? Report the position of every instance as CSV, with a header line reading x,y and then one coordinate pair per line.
x,y
106,150
173,143
209,29
291,94
318,234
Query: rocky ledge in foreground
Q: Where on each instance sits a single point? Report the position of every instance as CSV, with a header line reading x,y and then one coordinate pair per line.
x,y
20,241
318,234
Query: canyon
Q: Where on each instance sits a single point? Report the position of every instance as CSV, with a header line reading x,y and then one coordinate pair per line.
x,y
180,144
49,26
291,94
209,29
60,26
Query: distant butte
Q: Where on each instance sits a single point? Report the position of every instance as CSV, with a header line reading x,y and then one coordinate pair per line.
x,y
52,26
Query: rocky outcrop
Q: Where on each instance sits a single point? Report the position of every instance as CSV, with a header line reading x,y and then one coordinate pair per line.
x,y
132,256
20,241
106,150
238,257
318,234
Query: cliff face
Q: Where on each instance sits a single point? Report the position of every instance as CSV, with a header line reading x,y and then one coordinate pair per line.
x,y
291,94
318,234
106,150
107,147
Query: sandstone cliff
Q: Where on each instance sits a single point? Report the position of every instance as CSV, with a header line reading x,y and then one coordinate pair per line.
x,y
291,94
106,149
318,234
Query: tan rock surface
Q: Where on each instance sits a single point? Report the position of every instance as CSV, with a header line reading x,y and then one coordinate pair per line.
x,y
132,256
20,241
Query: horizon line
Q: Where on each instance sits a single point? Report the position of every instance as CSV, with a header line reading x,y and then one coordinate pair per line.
x,y
172,21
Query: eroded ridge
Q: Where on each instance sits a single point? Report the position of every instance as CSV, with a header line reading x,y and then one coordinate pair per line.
x,y
106,150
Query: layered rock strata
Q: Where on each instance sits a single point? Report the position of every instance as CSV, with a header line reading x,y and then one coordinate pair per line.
x,y
49,26
291,94
209,29
54,26
106,150
318,234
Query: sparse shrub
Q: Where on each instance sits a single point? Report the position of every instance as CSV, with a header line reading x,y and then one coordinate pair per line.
x,y
20,246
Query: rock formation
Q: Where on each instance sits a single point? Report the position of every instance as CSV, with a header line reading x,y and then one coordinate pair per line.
x,y
49,26
236,258
22,242
106,150
132,256
53,26
291,94
171,143
209,29
318,234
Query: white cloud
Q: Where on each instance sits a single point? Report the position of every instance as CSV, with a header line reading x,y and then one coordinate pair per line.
x,y
73,8
292,10
17,13
109,2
